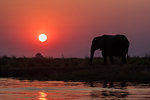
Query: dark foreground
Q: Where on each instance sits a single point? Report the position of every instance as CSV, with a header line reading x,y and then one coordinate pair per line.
x,y
75,69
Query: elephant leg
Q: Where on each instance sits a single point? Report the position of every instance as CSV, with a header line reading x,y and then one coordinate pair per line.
x,y
111,59
123,61
104,57
92,54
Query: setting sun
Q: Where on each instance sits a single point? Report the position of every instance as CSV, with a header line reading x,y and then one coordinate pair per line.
x,y
42,37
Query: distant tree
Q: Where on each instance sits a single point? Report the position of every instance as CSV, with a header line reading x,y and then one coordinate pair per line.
x,y
39,55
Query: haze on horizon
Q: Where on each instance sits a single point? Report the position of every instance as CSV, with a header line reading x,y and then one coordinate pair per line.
x,y
71,25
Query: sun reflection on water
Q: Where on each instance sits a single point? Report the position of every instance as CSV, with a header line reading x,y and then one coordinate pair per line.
x,y
12,89
42,96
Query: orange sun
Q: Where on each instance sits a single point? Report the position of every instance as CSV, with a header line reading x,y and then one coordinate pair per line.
x,y
42,37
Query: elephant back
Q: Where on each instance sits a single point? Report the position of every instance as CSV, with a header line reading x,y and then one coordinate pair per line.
x,y
116,45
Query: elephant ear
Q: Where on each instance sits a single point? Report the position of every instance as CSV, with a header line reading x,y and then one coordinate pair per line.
x,y
98,43
101,42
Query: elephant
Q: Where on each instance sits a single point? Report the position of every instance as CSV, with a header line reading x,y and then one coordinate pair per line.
x,y
110,45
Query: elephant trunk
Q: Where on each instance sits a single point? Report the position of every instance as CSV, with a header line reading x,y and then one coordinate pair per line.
x,y
92,54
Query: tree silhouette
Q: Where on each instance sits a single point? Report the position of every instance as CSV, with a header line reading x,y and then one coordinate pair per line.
x,y
39,55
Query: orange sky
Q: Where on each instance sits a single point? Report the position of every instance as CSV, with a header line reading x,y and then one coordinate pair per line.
x,y
71,25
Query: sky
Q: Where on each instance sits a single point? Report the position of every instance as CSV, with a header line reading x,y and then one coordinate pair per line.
x,y
70,26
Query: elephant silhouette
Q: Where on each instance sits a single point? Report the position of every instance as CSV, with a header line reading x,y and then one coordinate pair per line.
x,y
110,45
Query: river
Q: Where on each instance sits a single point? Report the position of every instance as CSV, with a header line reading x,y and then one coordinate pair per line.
x,y
13,89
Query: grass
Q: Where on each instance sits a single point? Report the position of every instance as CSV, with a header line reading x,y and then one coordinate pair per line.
x,y
75,69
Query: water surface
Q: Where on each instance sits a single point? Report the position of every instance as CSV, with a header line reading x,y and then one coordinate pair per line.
x,y
13,89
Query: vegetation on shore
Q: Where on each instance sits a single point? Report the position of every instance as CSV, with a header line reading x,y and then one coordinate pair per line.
x,y
75,69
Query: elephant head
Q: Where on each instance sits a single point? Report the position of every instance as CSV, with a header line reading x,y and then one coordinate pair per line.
x,y
97,43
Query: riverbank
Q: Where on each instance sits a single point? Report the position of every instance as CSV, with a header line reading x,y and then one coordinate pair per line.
x,y
75,69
